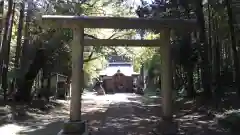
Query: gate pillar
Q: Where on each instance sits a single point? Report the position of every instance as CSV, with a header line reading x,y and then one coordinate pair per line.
x,y
166,125
75,126
166,74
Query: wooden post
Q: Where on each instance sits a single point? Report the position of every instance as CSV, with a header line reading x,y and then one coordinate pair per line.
x,y
76,125
77,73
166,74
167,126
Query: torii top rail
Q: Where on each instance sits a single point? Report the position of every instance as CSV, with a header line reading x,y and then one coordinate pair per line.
x,y
120,23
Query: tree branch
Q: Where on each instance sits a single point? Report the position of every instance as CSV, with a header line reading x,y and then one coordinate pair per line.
x,y
92,52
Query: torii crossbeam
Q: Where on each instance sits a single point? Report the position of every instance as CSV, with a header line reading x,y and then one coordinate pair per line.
x,y
78,23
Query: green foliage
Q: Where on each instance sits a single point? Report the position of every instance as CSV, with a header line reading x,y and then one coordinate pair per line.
x,y
57,43
143,56
58,51
93,67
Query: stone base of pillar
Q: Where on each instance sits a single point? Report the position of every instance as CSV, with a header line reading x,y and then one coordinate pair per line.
x,y
74,128
166,127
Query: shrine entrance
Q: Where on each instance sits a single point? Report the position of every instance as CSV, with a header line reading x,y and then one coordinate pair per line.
x,y
78,23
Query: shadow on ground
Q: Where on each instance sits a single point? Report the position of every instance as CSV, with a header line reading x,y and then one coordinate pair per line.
x,y
13,111
194,119
16,117
50,129
127,117
123,117
135,115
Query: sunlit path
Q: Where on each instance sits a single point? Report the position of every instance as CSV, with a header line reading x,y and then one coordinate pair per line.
x,y
93,108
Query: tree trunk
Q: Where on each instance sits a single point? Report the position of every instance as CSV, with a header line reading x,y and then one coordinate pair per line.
x,y
190,89
6,46
19,36
49,83
209,33
198,84
188,66
19,43
24,91
216,63
1,37
42,77
234,44
203,51
1,23
27,49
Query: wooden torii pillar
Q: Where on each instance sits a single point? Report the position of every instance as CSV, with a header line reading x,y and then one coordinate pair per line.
x,y
77,23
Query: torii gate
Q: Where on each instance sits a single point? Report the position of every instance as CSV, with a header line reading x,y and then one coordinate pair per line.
x,y
78,23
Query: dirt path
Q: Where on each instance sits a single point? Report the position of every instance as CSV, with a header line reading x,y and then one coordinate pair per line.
x,y
25,121
19,120
117,114
127,115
